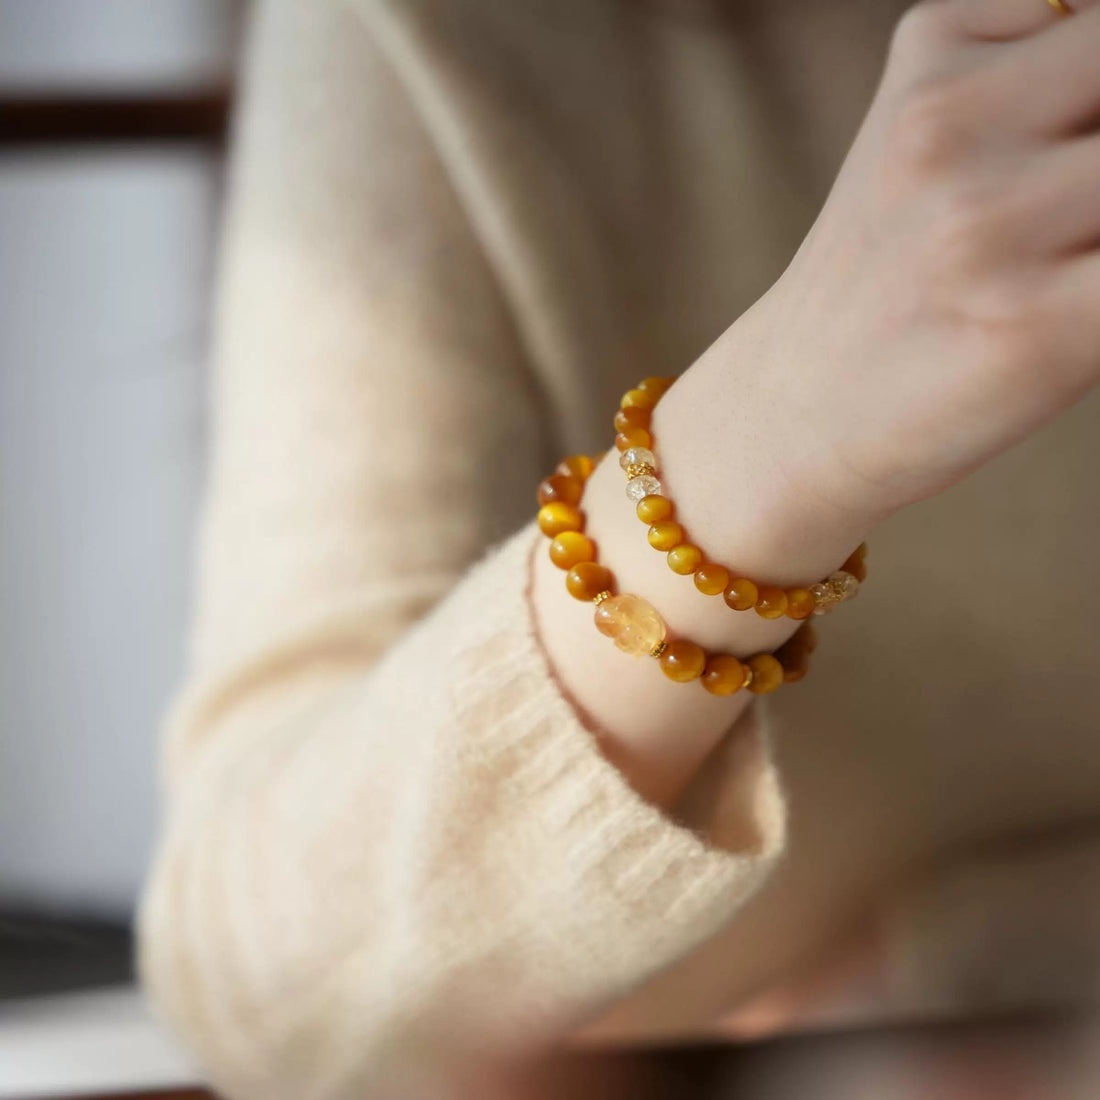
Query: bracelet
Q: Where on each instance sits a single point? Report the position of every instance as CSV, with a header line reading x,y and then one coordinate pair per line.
x,y
633,623
634,438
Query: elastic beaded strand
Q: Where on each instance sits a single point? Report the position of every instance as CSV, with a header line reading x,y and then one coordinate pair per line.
x,y
634,624
635,441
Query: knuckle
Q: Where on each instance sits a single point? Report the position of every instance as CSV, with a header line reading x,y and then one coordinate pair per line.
x,y
921,30
930,128
967,225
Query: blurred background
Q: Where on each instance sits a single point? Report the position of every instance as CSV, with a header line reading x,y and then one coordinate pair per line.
x,y
112,135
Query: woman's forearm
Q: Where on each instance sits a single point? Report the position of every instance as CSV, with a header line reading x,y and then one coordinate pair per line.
x,y
729,465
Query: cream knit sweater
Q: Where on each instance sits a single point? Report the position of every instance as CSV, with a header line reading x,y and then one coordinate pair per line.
x,y
456,231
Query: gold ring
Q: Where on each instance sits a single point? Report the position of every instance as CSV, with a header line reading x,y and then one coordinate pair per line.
x,y
1061,7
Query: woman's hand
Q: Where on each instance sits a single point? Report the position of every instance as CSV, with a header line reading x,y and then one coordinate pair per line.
x,y
947,301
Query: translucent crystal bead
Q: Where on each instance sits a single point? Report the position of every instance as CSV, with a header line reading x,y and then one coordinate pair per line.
x,y
638,487
632,623
637,454
834,590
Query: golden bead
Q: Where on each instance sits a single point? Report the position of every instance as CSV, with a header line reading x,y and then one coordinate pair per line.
x,y
685,558
655,386
587,579
659,649
600,597
633,437
639,469
800,604
556,518
578,466
632,623
723,675
567,490
638,399
653,509
711,579
683,661
633,417
767,674
570,548
665,535
771,603
741,594
795,659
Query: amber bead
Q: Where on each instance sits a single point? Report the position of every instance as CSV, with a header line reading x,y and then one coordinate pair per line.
x,y
655,386
632,623
771,603
683,661
685,558
767,674
578,466
654,509
711,579
567,490
639,399
556,518
570,548
587,579
795,659
800,604
723,675
632,417
632,437
665,535
741,594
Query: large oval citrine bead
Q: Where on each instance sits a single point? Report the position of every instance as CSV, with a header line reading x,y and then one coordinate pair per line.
x,y
633,624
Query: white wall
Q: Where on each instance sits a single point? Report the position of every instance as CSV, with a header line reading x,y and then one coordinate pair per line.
x,y
105,267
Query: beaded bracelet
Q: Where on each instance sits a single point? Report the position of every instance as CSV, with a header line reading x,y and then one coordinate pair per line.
x,y
634,438
633,623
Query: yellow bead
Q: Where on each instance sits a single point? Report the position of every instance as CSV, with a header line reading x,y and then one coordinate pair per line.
x,y
556,518
586,580
767,674
723,675
683,661
685,558
772,603
638,399
632,623
578,466
800,604
632,437
633,417
567,490
655,386
665,535
711,579
741,594
570,548
654,509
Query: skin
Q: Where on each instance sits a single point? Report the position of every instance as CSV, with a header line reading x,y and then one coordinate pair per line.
x,y
942,308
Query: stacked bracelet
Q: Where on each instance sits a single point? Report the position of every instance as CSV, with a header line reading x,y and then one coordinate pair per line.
x,y
633,623
634,439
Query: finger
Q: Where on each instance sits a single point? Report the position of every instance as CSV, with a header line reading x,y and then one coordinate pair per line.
x,y
1005,20
1059,71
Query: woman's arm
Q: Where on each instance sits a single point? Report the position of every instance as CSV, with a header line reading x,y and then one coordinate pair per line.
x,y
389,849
945,305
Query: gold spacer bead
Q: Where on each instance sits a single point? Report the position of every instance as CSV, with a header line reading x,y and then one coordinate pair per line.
x,y
658,649
748,673
640,469
599,597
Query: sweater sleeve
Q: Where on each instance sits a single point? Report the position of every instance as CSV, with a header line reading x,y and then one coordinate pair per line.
x,y
390,844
